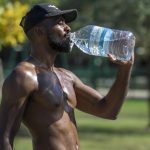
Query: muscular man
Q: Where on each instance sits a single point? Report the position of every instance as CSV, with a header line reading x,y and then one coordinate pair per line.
x,y
43,96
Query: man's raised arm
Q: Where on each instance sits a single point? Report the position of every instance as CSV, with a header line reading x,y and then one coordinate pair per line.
x,y
90,101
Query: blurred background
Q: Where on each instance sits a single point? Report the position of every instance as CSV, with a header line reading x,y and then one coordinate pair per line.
x,y
132,128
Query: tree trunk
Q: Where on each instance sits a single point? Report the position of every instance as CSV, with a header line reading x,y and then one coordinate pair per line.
x,y
148,77
1,78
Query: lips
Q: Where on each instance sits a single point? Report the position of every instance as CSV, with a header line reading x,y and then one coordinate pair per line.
x,y
67,35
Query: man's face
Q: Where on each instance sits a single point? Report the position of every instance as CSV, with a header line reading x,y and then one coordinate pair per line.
x,y
58,35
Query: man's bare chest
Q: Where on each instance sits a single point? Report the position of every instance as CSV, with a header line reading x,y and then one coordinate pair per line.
x,y
54,91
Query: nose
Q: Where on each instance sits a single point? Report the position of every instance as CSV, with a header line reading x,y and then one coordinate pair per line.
x,y
67,28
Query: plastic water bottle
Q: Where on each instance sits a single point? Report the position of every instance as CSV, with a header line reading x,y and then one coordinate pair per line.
x,y
100,41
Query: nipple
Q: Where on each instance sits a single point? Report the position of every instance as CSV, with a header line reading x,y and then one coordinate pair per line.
x,y
65,96
77,146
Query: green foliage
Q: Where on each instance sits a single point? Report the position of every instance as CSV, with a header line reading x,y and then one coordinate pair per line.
x,y
3,2
11,12
10,16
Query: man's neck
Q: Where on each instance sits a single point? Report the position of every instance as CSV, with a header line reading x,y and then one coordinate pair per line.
x,y
43,56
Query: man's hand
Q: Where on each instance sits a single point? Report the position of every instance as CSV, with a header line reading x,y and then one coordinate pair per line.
x,y
113,59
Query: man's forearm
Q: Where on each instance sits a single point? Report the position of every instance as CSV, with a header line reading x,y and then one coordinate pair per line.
x,y
118,91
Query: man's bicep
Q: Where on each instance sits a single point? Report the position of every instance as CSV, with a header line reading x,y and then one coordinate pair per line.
x,y
88,99
15,88
14,98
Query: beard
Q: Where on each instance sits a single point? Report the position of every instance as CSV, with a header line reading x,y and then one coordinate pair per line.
x,y
61,46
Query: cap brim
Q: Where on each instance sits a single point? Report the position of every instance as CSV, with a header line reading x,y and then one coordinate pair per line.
x,y
68,15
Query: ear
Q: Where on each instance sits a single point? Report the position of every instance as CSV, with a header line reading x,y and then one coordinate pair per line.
x,y
39,31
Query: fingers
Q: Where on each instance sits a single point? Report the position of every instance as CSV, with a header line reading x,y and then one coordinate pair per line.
x,y
132,58
113,59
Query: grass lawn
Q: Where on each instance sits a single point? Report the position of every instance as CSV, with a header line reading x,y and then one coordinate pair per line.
x,y
128,132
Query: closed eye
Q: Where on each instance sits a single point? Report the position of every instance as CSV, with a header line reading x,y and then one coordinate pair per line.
x,y
61,21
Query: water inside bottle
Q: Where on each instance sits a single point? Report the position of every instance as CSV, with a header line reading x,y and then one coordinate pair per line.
x,y
121,44
100,41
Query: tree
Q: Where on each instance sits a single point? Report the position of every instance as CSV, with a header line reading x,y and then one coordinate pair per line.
x,y
10,32
10,16
11,12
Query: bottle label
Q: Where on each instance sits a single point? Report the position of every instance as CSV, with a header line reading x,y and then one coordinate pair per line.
x,y
98,40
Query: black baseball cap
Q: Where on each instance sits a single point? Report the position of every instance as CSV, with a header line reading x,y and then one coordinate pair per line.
x,y
45,10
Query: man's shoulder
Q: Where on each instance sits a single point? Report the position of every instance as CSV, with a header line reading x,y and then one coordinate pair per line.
x,y
24,68
68,73
23,72
21,81
65,72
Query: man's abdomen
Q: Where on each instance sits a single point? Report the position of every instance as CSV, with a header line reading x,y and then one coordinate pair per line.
x,y
51,129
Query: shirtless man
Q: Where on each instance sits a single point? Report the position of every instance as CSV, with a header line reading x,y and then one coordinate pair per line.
x,y
43,96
